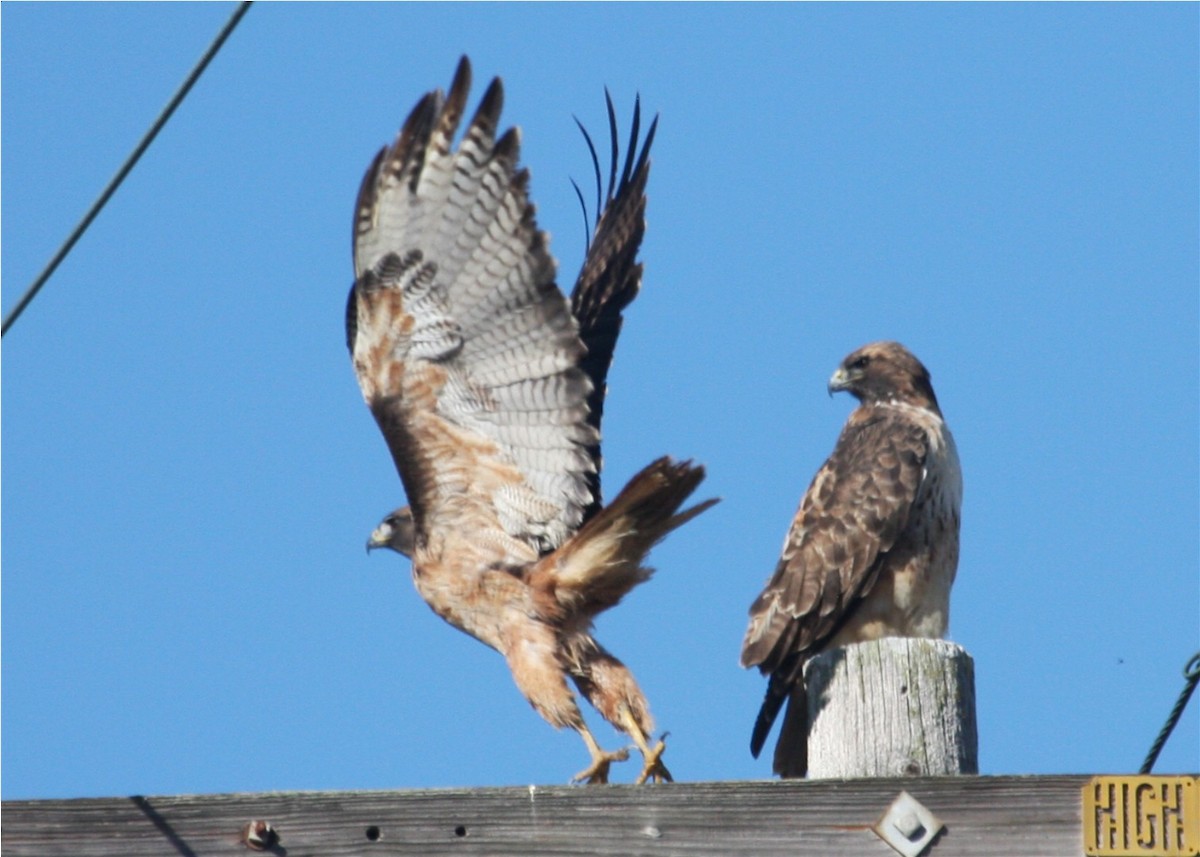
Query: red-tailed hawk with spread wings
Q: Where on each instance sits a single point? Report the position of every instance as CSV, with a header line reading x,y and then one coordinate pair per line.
x,y
873,549
488,385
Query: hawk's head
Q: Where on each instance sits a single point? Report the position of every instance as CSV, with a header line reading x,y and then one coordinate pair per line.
x,y
396,531
885,372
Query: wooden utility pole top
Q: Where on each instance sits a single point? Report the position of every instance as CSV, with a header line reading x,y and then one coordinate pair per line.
x,y
1028,816
894,707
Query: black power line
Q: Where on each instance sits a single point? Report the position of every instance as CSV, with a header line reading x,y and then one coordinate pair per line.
x,y
116,180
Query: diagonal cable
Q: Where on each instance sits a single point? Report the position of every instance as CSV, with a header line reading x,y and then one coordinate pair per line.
x,y
116,180
1191,675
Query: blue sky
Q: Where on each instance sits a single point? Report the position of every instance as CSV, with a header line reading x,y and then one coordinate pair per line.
x,y
189,473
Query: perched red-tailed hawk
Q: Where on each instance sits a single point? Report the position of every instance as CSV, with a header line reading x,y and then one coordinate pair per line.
x,y
873,549
488,385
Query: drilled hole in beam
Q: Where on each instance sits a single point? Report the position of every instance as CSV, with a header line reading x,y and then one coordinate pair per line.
x,y
460,830
373,833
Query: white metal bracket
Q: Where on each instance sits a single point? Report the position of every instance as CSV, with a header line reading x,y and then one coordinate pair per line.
x,y
908,826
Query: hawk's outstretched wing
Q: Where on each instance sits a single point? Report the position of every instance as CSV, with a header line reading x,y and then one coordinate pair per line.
x,y
611,276
465,349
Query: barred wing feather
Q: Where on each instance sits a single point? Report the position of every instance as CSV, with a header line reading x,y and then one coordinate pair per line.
x,y
466,351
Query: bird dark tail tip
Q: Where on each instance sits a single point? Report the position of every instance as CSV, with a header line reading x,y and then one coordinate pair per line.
x,y
776,695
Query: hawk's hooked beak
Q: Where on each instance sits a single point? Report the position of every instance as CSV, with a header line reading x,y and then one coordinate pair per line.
x,y
397,531
838,381
380,537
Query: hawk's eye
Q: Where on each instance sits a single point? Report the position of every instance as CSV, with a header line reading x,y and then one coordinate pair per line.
x,y
861,362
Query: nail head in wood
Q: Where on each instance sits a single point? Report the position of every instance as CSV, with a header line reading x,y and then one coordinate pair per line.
x,y
259,835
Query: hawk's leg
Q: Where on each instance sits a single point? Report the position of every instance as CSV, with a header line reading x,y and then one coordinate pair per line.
x,y
597,771
653,770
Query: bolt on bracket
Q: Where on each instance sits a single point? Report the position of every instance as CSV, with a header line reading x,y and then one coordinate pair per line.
x,y
908,826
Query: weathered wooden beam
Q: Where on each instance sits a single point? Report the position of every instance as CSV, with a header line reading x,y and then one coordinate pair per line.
x,y
1029,816
892,708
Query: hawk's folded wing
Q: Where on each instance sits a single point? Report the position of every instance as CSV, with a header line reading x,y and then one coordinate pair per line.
x,y
857,506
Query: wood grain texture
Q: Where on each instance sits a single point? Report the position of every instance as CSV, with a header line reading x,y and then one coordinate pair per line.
x,y
1030,816
891,708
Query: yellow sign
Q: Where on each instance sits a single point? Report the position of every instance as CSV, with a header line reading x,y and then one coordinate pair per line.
x,y
1141,816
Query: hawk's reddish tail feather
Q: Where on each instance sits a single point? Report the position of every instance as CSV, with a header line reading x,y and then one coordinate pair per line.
x,y
602,562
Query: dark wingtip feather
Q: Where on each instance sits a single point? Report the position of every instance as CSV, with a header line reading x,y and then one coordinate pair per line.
x,y
646,144
487,114
631,151
509,147
451,111
587,228
612,136
595,169
462,72
461,84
